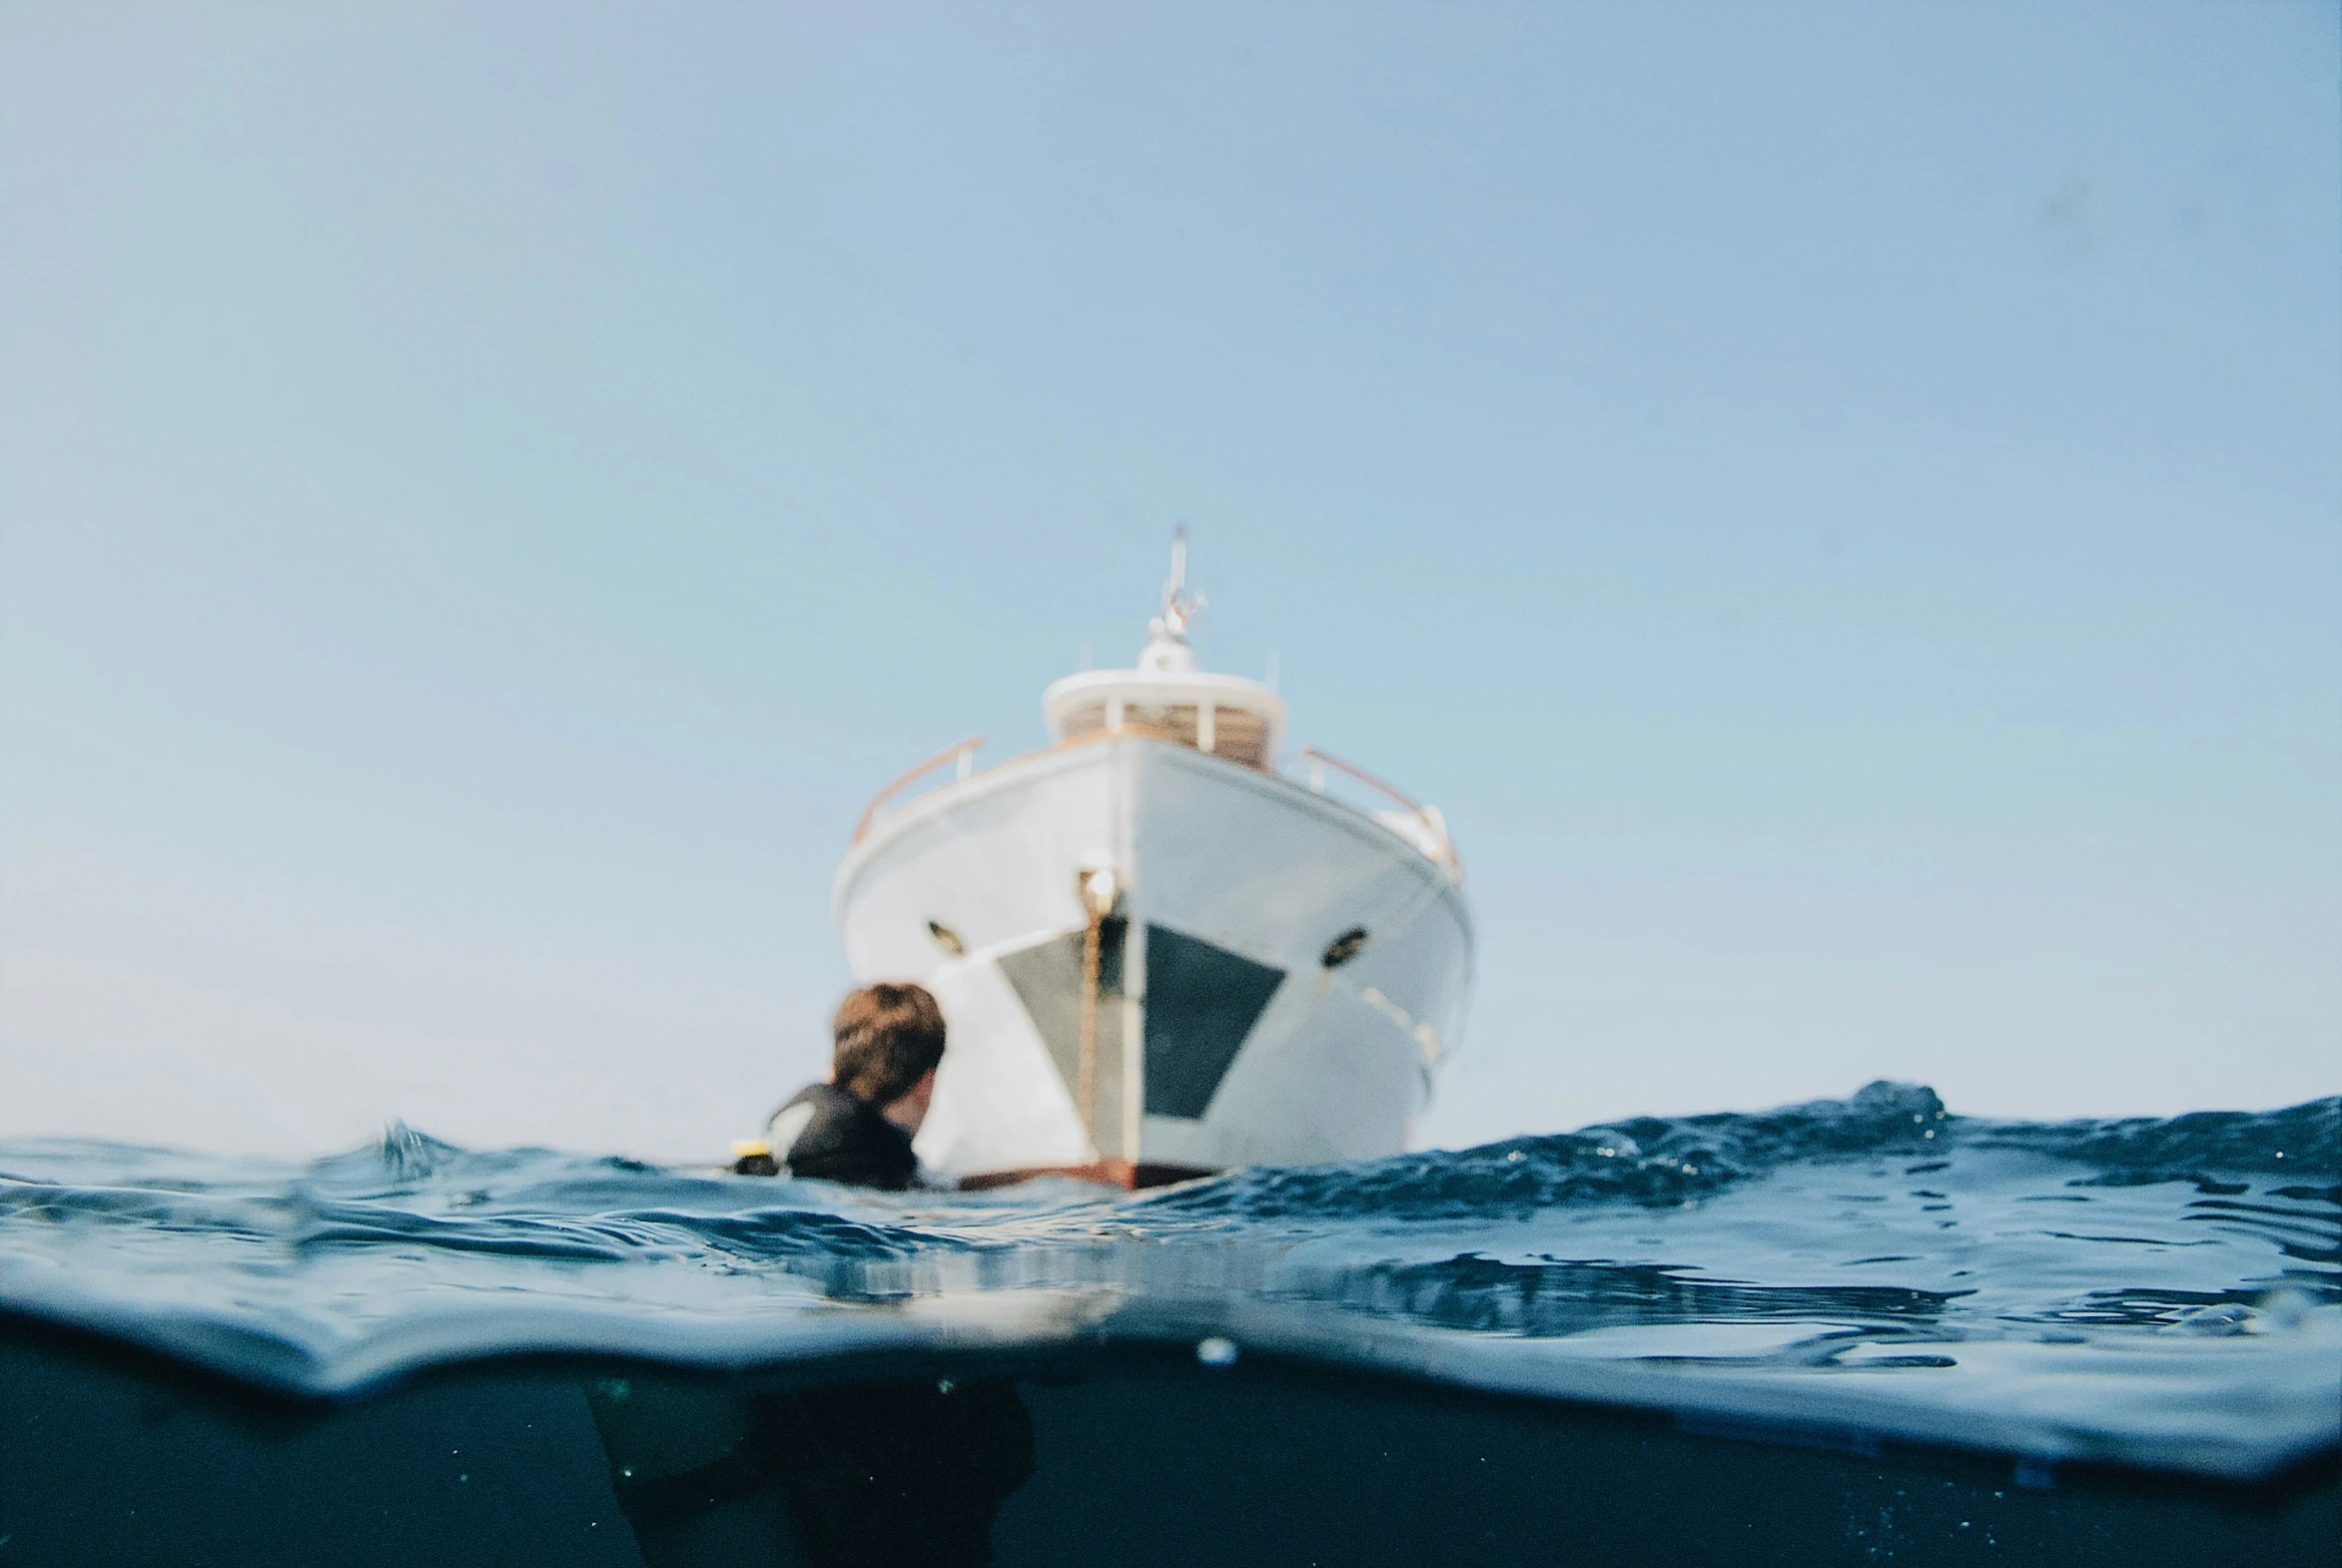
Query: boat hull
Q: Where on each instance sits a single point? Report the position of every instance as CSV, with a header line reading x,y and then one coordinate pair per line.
x,y
1216,1032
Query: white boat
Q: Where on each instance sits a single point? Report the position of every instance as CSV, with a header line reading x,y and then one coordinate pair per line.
x,y
1157,953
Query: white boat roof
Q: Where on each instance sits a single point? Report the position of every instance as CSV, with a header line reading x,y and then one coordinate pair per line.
x,y
1165,686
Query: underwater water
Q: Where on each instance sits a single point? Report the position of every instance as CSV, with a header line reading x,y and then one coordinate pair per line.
x,y
1853,1330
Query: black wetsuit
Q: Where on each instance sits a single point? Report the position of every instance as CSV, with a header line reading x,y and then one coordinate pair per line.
x,y
848,1140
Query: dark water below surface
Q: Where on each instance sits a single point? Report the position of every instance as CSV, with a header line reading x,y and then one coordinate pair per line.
x,y
1122,1457
1849,1331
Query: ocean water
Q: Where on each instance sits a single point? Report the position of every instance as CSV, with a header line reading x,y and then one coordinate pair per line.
x,y
1851,1330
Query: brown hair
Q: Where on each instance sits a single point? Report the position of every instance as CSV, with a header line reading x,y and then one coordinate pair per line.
x,y
888,1037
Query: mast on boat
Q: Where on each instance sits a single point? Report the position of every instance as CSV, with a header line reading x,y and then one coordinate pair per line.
x,y
1179,607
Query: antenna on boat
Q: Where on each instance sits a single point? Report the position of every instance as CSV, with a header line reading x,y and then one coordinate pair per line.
x,y
1179,607
1166,651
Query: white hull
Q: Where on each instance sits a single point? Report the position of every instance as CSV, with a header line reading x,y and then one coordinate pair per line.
x,y
1221,1037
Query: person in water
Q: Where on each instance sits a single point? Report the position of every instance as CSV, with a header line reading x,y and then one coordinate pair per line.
x,y
878,1475
857,1126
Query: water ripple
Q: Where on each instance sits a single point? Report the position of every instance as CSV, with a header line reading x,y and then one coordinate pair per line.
x,y
2168,1292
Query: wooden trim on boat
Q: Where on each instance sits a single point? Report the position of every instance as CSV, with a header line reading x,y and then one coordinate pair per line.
x,y
1420,811
1364,777
963,751
1113,1172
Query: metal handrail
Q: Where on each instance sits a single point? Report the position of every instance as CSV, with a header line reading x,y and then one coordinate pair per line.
x,y
1421,812
965,751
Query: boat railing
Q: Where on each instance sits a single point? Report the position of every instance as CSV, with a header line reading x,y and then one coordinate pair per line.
x,y
1421,825
964,754
1430,828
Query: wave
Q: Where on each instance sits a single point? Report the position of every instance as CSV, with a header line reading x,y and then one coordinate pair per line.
x,y
1894,1262
1662,1161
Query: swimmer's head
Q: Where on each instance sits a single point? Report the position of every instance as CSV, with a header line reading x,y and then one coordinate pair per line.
x,y
889,1039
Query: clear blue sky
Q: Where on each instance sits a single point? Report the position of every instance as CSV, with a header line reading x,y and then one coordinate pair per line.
x,y
1840,504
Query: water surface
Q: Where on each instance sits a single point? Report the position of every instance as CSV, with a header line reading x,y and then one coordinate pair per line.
x,y
1864,1278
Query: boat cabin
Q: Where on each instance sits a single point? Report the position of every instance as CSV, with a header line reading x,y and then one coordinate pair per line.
x,y
1167,698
